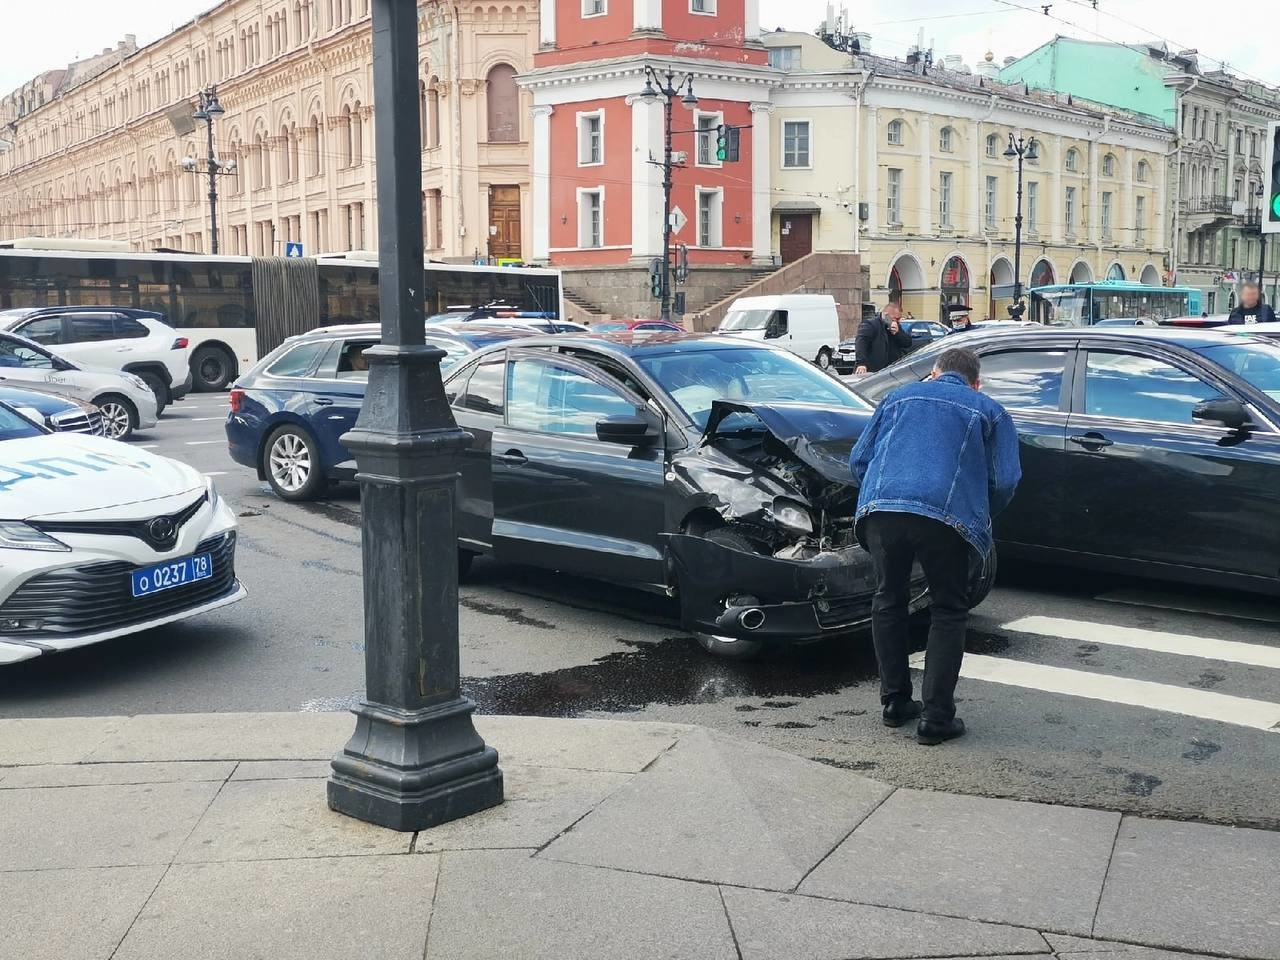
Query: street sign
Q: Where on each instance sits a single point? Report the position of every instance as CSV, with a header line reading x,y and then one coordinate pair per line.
x,y
293,249
678,220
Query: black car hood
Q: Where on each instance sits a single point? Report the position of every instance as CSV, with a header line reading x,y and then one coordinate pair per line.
x,y
819,436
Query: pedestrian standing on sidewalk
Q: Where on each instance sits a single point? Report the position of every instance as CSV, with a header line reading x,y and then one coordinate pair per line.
x,y
1251,309
881,341
937,461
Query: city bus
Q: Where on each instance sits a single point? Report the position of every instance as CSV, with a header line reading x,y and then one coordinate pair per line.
x,y
1110,301
234,310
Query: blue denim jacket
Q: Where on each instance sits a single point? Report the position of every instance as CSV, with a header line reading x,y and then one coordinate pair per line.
x,y
939,449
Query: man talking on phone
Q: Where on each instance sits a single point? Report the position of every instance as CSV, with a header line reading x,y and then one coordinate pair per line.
x,y
937,461
881,340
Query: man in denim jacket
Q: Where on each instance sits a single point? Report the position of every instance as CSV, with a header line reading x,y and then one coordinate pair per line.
x,y
935,464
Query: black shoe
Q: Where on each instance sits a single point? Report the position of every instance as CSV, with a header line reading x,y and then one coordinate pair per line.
x,y
898,712
931,732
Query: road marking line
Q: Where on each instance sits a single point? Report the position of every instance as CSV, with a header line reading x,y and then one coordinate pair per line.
x,y
1183,645
197,443
1237,609
147,446
216,473
203,419
1238,711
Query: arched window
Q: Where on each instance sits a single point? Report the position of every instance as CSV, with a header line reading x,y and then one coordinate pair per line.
x,y
356,131
313,145
1034,151
344,138
503,99
895,133
1109,165
1143,172
433,112
946,140
422,113
261,161
1072,161
993,145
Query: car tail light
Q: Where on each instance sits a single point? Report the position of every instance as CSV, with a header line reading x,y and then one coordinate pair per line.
x,y
237,398
180,344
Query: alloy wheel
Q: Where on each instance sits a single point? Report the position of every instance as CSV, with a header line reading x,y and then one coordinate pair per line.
x,y
290,462
115,420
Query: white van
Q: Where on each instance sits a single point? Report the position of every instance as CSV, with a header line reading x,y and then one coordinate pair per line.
x,y
804,323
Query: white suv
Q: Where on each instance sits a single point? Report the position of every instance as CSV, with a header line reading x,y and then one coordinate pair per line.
x,y
140,342
126,400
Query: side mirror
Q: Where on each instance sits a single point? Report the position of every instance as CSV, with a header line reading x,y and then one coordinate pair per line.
x,y
626,429
1230,413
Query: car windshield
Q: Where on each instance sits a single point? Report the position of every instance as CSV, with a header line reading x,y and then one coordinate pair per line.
x,y
697,378
13,426
1257,364
746,320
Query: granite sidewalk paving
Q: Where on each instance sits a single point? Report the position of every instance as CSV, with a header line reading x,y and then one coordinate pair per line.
x,y
207,836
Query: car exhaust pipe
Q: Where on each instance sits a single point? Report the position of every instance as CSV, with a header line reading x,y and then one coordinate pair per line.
x,y
752,619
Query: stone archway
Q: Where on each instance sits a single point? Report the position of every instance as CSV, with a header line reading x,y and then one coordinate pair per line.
x,y
1001,276
1081,272
906,283
1115,271
1042,274
1150,275
954,284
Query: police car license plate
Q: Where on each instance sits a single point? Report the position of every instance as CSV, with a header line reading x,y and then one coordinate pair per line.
x,y
175,573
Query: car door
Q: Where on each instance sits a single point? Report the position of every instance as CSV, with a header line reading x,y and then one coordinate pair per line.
x,y
477,394
90,338
336,390
22,364
1151,484
47,331
563,498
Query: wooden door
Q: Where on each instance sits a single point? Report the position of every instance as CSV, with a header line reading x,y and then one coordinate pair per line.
x,y
797,236
504,222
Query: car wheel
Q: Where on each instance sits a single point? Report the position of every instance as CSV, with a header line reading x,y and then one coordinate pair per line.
x,y
824,358
291,463
119,417
158,388
729,648
982,577
211,369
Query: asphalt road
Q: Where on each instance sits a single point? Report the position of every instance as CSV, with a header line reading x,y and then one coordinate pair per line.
x,y
1169,717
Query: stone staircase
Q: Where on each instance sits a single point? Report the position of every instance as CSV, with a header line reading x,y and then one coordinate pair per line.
x,y
582,303
582,309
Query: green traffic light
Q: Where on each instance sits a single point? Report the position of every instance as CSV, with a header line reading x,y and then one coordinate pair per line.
x,y
1275,205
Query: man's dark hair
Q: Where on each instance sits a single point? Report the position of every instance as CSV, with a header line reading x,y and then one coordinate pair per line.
x,y
962,361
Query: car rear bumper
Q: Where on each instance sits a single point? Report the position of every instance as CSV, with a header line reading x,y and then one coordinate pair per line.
x,y
745,596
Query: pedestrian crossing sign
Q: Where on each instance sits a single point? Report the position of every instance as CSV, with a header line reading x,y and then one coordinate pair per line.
x,y
293,250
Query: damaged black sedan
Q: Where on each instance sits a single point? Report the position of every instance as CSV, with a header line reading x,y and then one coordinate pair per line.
x,y
705,468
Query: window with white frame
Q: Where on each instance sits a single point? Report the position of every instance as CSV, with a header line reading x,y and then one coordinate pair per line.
x,y
1033,207
590,139
1140,221
944,199
1069,211
894,205
702,6
1072,161
1106,214
594,8
993,145
707,124
1143,172
784,58
894,134
591,217
946,140
795,143
992,201
1109,165
710,215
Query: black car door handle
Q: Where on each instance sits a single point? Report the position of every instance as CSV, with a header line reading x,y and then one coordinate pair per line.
x,y
323,401
513,457
1092,441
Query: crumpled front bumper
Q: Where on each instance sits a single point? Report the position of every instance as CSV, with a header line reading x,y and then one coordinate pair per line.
x,y
800,600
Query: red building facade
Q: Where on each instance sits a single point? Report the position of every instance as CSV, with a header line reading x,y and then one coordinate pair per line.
x,y
597,194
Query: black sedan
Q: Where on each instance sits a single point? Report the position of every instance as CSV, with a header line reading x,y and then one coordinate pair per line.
x,y
704,467
1145,450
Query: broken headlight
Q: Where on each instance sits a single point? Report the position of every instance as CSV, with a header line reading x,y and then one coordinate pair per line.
x,y
791,515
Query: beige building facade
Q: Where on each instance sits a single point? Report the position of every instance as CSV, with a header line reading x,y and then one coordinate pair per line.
x,y
905,165
105,159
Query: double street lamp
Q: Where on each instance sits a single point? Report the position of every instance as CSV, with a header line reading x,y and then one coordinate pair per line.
x,y
1023,150
668,85
208,110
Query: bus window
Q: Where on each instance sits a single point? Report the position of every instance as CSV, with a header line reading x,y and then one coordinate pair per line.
x,y
211,296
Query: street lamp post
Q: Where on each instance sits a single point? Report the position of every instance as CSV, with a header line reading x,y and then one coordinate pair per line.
x,y
668,87
415,759
1023,150
210,109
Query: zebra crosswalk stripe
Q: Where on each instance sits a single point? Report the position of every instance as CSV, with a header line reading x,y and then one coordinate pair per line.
x,y
1156,641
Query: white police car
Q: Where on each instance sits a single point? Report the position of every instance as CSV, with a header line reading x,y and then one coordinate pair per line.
x,y
99,539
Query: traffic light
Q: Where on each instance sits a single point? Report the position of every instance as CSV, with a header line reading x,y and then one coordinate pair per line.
x,y
1271,215
655,278
728,142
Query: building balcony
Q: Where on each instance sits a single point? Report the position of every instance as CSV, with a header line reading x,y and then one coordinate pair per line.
x,y
1210,213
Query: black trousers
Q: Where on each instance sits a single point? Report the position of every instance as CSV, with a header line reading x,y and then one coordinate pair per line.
x,y
895,541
